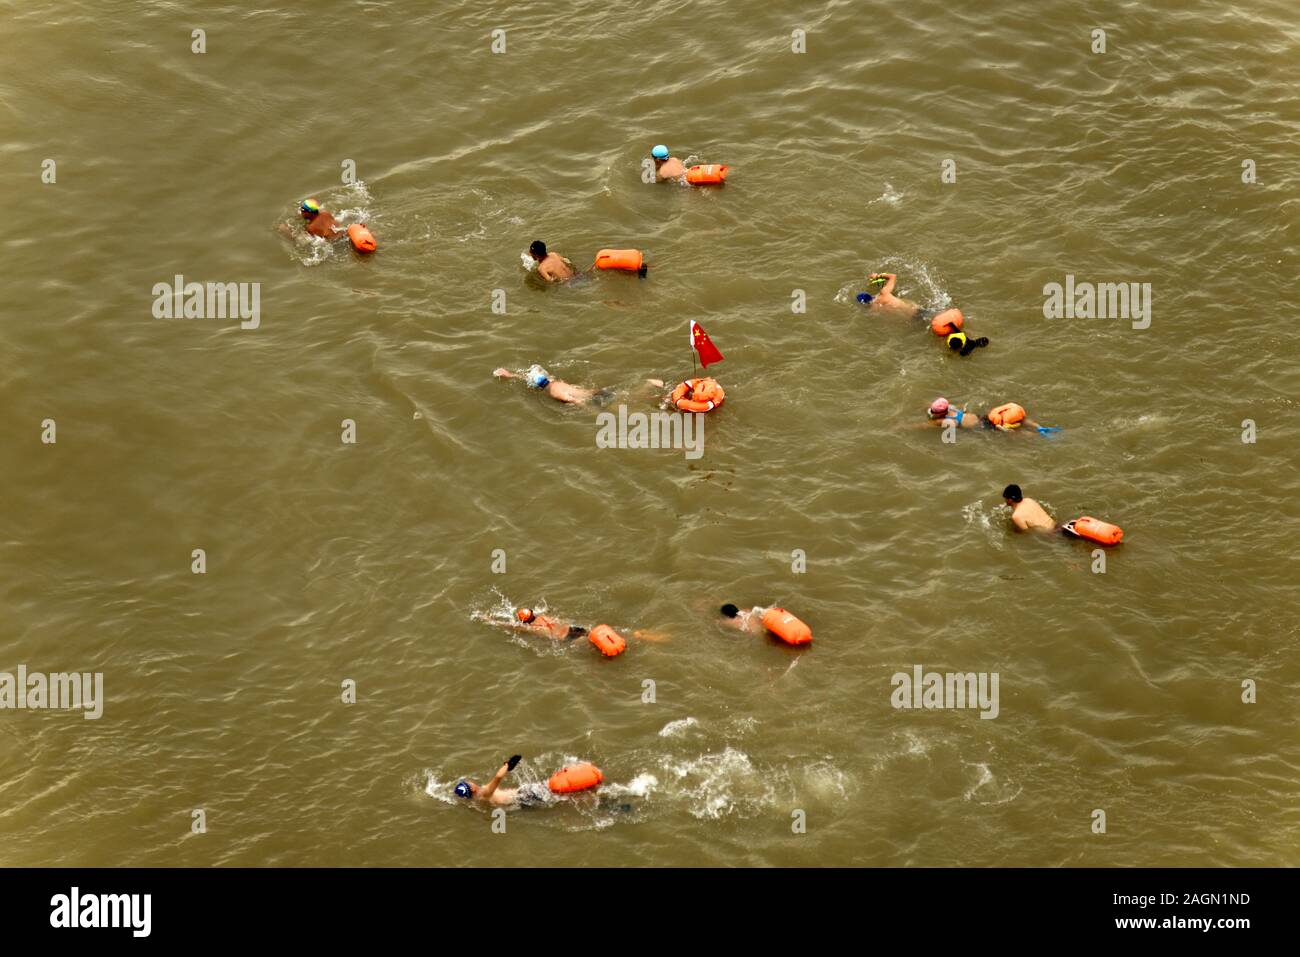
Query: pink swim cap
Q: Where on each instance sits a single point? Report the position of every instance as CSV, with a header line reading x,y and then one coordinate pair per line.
x,y
939,407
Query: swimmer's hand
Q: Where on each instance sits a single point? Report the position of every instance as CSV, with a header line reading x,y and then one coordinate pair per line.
x,y
503,373
514,759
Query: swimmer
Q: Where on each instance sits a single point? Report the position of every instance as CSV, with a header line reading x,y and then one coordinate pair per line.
x,y
667,167
528,620
320,223
492,792
551,267
751,621
947,323
940,410
1027,514
538,378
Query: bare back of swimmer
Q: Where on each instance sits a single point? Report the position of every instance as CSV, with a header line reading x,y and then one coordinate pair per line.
x,y
539,378
750,621
529,620
551,267
320,222
1026,514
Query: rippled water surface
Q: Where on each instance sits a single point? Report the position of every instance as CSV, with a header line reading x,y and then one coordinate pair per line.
x,y
373,562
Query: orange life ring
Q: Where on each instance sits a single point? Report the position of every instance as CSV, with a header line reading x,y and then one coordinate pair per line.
x,y
609,641
362,240
1008,415
578,777
698,395
712,174
786,626
947,322
1095,530
629,259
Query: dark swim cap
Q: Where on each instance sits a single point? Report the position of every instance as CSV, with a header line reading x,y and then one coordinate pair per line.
x,y
463,790
864,298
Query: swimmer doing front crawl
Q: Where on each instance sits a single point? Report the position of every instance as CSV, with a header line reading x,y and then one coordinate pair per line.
x,y
1028,516
946,324
492,792
538,378
1004,418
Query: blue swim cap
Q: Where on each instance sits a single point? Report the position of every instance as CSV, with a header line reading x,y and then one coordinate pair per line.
x,y
463,790
864,298
537,377
660,152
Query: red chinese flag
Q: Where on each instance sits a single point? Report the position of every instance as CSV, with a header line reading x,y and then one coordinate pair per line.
x,y
702,344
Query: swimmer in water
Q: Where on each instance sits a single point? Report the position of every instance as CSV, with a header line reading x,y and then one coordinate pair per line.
x,y
320,223
551,267
751,621
492,793
1026,514
947,323
538,378
940,410
528,620
666,167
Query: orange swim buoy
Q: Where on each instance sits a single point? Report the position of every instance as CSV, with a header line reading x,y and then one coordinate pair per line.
x,y
609,641
578,777
628,259
710,175
786,626
362,240
1095,530
1008,415
947,322
698,395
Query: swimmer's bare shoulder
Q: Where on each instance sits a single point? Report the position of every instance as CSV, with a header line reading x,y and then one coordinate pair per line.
x,y
1030,516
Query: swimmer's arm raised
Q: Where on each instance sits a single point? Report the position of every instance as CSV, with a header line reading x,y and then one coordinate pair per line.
x,y
489,788
888,289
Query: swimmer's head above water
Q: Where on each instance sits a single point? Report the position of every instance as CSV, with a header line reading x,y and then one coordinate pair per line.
x,y
1013,494
938,408
465,789
660,153
730,611
537,249
525,615
310,209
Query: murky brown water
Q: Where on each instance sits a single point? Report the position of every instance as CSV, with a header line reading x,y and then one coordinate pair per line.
x,y
1118,691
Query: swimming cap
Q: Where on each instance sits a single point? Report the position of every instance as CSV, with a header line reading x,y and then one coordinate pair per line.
x,y
660,152
463,790
310,206
956,340
537,377
864,298
525,615
939,407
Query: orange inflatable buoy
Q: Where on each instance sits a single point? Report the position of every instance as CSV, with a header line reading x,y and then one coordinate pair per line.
x,y
947,322
362,240
1095,530
698,395
1009,415
786,626
710,175
627,259
609,641
578,777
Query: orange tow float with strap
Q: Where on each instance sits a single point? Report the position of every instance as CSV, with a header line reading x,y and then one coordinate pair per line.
x,y
578,777
947,322
1095,530
361,238
629,260
1008,415
786,627
609,641
713,174
698,395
